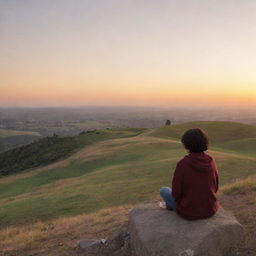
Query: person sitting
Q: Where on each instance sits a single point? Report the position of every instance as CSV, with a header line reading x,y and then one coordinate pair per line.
x,y
195,180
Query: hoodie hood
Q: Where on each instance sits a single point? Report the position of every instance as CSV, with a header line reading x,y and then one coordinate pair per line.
x,y
199,161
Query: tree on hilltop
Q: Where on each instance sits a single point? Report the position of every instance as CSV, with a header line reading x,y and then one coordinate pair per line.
x,y
168,122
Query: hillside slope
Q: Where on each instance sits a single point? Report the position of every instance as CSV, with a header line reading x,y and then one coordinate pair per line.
x,y
230,136
114,162
51,149
114,174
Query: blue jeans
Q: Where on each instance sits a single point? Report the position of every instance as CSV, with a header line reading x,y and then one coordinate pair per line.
x,y
166,194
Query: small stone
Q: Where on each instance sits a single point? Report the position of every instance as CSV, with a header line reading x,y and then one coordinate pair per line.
x,y
103,241
86,243
187,252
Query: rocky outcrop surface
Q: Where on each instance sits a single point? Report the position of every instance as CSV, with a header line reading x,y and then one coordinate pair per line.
x,y
158,232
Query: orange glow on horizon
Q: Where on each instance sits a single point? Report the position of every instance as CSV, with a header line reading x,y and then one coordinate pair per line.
x,y
151,53
118,95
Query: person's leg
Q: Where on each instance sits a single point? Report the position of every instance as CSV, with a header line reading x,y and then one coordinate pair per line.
x,y
166,194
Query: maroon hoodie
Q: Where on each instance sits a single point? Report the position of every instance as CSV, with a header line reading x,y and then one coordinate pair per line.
x,y
194,185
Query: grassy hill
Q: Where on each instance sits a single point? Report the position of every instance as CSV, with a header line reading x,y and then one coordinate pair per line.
x,y
50,149
229,136
110,171
218,132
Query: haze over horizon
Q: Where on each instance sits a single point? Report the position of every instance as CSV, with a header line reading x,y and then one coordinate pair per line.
x,y
145,53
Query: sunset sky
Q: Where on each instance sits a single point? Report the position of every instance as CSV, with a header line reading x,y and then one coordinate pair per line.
x,y
127,52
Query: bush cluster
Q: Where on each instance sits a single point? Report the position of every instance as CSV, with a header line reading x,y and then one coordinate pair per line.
x,y
41,152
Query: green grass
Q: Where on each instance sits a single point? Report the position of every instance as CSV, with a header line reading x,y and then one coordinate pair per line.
x,y
51,149
112,181
123,170
77,168
230,136
218,132
245,146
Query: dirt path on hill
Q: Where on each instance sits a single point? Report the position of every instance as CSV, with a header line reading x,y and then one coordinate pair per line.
x,y
107,147
233,155
91,152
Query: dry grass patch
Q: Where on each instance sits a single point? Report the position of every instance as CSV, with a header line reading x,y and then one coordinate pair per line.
x,y
240,186
22,237
59,237
224,155
240,198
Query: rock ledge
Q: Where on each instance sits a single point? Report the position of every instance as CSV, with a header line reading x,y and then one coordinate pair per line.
x,y
158,232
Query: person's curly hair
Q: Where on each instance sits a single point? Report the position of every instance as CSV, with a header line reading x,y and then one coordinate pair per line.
x,y
195,140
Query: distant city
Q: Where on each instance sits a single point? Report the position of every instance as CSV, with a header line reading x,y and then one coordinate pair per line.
x,y
68,121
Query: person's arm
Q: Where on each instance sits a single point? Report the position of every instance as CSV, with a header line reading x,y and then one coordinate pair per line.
x,y
216,176
177,181
217,181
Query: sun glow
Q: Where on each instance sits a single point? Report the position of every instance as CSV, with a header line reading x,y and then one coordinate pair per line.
x,y
152,54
